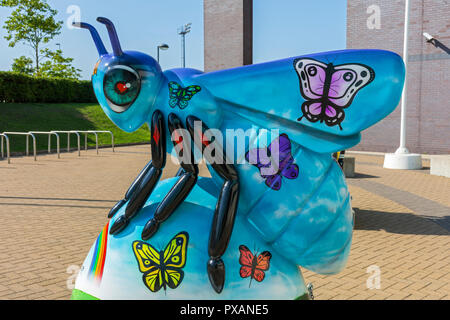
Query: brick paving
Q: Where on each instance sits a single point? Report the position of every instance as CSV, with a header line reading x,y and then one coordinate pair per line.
x,y
402,227
52,210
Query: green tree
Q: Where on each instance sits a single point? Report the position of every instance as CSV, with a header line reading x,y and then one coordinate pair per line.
x,y
57,66
23,65
32,23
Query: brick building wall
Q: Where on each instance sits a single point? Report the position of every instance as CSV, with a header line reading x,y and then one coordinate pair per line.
x,y
428,106
228,33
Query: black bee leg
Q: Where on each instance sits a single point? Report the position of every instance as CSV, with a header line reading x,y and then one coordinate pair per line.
x,y
130,190
226,207
186,181
143,186
179,172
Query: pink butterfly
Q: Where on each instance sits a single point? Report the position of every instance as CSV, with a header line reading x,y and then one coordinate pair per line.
x,y
328,89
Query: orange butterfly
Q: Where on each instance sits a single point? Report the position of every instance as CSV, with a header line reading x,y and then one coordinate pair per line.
x,y
253,266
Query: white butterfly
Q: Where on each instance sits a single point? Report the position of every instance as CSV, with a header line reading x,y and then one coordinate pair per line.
x,y
328,89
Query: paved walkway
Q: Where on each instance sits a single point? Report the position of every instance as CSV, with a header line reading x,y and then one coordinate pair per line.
x,y
53,209
402,230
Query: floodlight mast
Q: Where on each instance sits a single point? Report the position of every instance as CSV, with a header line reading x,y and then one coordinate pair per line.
x,y
183,30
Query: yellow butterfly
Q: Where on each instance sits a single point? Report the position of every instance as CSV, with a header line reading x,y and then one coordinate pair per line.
x,y
162,268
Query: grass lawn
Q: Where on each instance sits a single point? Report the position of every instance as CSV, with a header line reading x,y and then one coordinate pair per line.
x,y
73,116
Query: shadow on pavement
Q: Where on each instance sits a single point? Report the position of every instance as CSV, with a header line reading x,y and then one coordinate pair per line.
x,y
362,176
396,222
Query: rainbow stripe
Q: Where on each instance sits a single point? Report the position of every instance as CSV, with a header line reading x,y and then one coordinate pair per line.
x,y
99,256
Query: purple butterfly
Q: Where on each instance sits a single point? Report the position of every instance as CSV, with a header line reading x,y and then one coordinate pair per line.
x,y
274,162
328,89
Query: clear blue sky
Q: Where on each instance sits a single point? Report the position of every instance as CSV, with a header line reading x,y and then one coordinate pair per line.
x,y
282,28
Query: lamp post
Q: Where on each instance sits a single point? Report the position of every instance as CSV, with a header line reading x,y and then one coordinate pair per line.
x,y
183,30
59,46
402,148
402,159
162,46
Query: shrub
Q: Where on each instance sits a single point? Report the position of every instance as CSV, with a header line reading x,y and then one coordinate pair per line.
x,y
20,88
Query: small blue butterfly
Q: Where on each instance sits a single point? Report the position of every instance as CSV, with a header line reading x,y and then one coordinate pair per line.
x,y
180,96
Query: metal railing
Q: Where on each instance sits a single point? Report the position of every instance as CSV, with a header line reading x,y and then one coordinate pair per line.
x,y
68,139
95,132
112,137
5,137
50,140
86,133
27,134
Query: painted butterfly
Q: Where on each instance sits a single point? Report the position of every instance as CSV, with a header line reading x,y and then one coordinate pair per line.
x,y
162,269
180,96
328,89
270,168
253,265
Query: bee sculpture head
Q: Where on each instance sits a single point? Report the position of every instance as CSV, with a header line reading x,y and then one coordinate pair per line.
x,y
126,83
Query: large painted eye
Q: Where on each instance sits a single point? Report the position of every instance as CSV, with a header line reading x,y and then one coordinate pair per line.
x,y
121,86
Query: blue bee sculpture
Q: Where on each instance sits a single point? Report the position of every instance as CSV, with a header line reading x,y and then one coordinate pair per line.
x,y
276,200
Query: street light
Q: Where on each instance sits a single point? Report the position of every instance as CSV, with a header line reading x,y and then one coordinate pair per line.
x,y
162,46
59,46
429,37
435,42
182,31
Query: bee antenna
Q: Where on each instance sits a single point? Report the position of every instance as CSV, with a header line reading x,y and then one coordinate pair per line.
x,y
95,36
115,43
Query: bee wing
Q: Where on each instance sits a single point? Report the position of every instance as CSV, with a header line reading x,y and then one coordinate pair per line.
x,y
269,95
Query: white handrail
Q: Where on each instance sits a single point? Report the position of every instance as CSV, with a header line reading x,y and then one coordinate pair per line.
x,y
86,132
109,132
96,132
50,140
68,139
28,134
5,137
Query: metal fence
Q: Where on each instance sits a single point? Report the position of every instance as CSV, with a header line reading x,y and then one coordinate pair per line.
x,y
68,139
49,140
27,134
5,137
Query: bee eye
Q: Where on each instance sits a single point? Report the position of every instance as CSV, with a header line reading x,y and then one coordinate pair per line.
x,y
121,86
